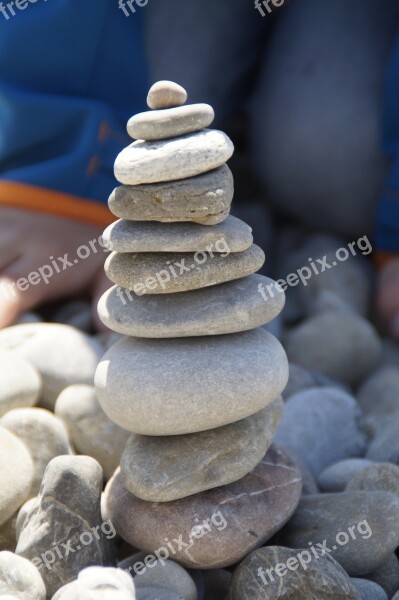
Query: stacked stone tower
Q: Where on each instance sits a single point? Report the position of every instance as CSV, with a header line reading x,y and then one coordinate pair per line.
x,y
197,379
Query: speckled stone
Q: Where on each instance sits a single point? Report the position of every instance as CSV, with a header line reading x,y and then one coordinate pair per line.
x,y
336,477
275,573
171,159
20,383
226,308
92,433
19,578
373,515
217,527
43,434
162,469
166,273
165,94
131,236
205,199
16,474
170,122
181,385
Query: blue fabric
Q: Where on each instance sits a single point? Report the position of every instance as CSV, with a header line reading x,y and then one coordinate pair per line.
x,y
387,225
71,74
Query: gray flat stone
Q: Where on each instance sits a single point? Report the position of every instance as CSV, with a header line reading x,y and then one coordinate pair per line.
x,y
170,122
226,308
130,236
258,577
217,527
186,385
161,469
205,199
171,159
372,517
166,273
164,94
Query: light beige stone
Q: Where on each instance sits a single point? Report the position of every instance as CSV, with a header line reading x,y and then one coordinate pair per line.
x,y
177,158
164,94
20,383
16,474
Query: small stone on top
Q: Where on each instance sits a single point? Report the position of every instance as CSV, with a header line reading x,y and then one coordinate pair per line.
x,y
166,94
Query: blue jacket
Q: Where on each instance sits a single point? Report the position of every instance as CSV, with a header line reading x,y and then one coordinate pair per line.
x,y
71,74
387,222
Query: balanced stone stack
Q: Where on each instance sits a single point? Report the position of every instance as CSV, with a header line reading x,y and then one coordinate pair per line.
x,y
197,380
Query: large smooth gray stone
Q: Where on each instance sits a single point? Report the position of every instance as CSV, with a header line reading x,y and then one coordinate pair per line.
x,y
217,527
172,159
170,387
166,273
230,307
321,426
205,199
133,236
372,518
170,122
321,579
161,469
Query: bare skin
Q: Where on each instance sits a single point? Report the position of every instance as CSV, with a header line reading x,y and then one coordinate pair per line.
x,y
388,296
31,240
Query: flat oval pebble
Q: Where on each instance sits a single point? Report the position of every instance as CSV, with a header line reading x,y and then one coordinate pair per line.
x,y
43,434
164,94
321,426
20,383
205,199
62,355
19,577
218,527
130,236
16,474
166,273
360,529
161,469
171,159
170,387
170,122
226,308
92,433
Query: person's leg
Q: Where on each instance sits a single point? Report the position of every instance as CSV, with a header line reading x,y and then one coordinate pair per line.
x,y
211,47
317,111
